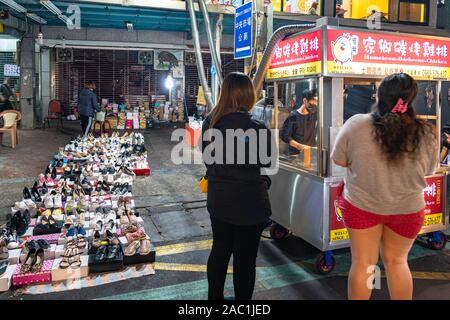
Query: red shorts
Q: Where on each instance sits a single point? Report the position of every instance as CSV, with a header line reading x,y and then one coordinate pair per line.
x,y
406,225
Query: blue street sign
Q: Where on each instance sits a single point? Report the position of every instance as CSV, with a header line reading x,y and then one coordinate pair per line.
x,y
243,31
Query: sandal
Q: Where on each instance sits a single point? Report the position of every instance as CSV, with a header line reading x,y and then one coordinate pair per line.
x,y
130,228
145,246
112,239
81,242
124,219
76,263
64,264
70,242
132,248
96,242
132,217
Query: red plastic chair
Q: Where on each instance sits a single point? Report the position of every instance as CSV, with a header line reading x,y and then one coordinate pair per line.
x,y
54,113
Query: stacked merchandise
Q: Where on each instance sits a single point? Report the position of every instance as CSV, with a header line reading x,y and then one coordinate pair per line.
x,y
129,121
177,113
79,217
121,121
142,121
158,103
136,118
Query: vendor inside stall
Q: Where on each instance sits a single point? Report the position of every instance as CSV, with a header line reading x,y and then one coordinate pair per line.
x,y
300,128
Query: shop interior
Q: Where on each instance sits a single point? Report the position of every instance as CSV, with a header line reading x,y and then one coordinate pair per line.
x,y
9,66
404,11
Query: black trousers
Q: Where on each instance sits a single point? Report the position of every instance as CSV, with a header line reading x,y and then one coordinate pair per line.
x,y
86,123
243,243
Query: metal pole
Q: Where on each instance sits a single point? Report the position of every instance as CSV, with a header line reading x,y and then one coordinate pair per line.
x,y
198,55
215,59
218,38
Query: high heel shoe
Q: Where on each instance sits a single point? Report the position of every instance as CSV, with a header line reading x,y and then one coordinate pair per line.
x,y
35,196
38,261
53,175
26,193
29,260
52,221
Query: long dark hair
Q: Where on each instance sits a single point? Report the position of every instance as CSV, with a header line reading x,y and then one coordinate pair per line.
x,y
237,94
399,134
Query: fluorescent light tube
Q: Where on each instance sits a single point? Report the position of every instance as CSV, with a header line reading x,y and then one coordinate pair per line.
x,y
36,18
51,7
14,5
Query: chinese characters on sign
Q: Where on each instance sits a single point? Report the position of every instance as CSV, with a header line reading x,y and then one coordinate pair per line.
x,y
433,201
297,56
365,53
243,31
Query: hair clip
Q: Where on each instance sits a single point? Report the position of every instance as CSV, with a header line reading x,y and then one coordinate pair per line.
x,y
400,107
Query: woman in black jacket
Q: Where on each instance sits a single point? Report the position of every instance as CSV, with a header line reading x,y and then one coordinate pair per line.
x,y
237,200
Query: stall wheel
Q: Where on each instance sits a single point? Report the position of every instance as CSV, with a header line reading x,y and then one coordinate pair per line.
x,y
278,232
437,241
325,263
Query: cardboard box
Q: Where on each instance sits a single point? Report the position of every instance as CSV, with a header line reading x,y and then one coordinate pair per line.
x,y
106,266
14,256
123,241
44,276
142,172
59,274
49,254
29,232
6,278
51,238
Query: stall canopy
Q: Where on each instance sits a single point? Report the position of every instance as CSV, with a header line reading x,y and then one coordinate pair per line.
x,y
145,15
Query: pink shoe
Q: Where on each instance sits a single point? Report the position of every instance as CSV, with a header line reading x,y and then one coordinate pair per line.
x,y
50,182
41,179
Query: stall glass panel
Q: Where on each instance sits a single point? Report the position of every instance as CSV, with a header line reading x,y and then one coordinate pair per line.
x,y
298,119
445,123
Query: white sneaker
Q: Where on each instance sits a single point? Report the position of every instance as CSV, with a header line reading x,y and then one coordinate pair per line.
x,y
48,201
32,208
15,208
12,243
57,201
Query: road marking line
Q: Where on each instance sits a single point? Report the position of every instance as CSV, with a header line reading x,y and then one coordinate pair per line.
x,y
183,247
184,267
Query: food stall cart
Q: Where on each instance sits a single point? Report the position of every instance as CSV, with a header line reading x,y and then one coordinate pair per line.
x,y
345,67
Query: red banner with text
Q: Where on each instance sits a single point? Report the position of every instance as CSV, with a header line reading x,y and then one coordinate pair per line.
x,y
297,56
381,54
